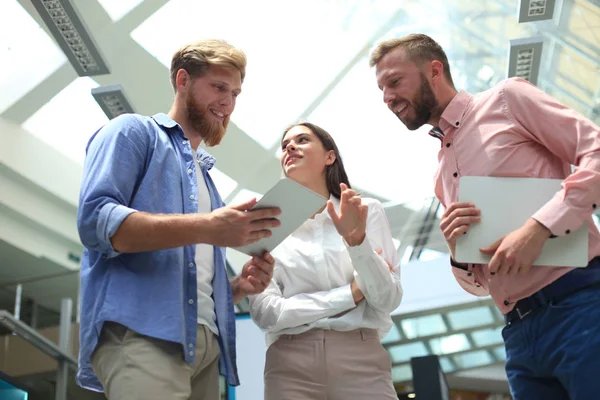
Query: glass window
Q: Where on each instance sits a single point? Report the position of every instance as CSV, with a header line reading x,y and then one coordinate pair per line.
x,y
446,365
401,373
470,317
404,352
473,359
487,337
423,326
500,353
450,344
392,336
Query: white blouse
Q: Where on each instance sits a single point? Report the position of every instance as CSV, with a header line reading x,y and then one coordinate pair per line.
x,y
314,268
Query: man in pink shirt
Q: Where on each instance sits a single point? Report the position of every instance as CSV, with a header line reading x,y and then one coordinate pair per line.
x,y
552,337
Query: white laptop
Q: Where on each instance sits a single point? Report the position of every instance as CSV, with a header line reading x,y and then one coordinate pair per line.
x,y
506,204
297,204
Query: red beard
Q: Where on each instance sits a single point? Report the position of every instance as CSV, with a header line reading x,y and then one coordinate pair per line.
x,y
212,132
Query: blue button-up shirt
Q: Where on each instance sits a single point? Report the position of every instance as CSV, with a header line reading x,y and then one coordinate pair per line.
x,y
138,163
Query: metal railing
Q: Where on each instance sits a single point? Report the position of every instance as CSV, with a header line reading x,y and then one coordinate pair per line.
x,y
28,316
60,352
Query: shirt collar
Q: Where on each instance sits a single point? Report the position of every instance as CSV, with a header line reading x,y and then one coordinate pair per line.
x,y
204,158
455,111
164,120
324,215
436,133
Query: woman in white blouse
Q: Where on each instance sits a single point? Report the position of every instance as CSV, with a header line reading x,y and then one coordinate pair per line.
x,y
335,282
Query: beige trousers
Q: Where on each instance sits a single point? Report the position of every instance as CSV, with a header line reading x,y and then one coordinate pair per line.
x,y
133,366
329,365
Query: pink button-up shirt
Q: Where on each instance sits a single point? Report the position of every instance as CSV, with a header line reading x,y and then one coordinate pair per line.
x,y
516,130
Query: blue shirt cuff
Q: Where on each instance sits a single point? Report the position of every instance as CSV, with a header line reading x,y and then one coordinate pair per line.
x,y
110,219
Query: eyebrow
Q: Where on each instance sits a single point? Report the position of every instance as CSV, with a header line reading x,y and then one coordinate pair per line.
x,y
386,78
238,90
383,78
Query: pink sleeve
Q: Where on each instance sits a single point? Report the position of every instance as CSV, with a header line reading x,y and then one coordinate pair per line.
x,y
569,136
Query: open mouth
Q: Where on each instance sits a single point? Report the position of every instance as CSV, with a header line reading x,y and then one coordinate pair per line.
x,y
217,114
291,160
402,110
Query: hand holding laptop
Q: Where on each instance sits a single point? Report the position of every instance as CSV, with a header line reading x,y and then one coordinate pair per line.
x,y
511,254
456,221
516,252
236,226
255,276
296,202
510,239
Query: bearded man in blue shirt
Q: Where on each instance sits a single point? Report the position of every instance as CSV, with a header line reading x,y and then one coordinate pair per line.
x,y
157,317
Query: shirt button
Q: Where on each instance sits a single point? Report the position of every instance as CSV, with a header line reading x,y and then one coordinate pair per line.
x,y
191,301
191,265
594,205
190,345
189,171
478,285
191,353
455,174
457,123
192,197
447,144
568,231
506,302
184,142
469,274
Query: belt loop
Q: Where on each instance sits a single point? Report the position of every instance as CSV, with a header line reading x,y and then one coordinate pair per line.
x,y
363,335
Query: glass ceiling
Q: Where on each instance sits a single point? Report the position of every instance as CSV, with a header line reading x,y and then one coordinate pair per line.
x,y
68,120
294,50
309,60
117,9
23,43
355,115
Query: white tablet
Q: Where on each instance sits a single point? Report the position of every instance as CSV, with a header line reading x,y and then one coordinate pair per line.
x,y
297,204
506,204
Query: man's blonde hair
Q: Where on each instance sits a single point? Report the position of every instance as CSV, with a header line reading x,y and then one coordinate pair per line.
x,y
418,48
196,58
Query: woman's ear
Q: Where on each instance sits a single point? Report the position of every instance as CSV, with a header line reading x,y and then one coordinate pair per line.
x,y
330,157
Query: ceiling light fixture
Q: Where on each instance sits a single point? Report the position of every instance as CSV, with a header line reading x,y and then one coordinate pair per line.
x,y
524,58
112,100
69,31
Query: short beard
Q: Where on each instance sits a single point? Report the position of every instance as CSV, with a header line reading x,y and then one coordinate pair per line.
x,y
211,132
425,106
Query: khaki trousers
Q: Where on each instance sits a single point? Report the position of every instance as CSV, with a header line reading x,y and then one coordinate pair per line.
x,y
133,366
329,365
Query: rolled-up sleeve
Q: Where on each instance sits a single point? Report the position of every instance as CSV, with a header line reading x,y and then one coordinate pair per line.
x,y
114,165
570,137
